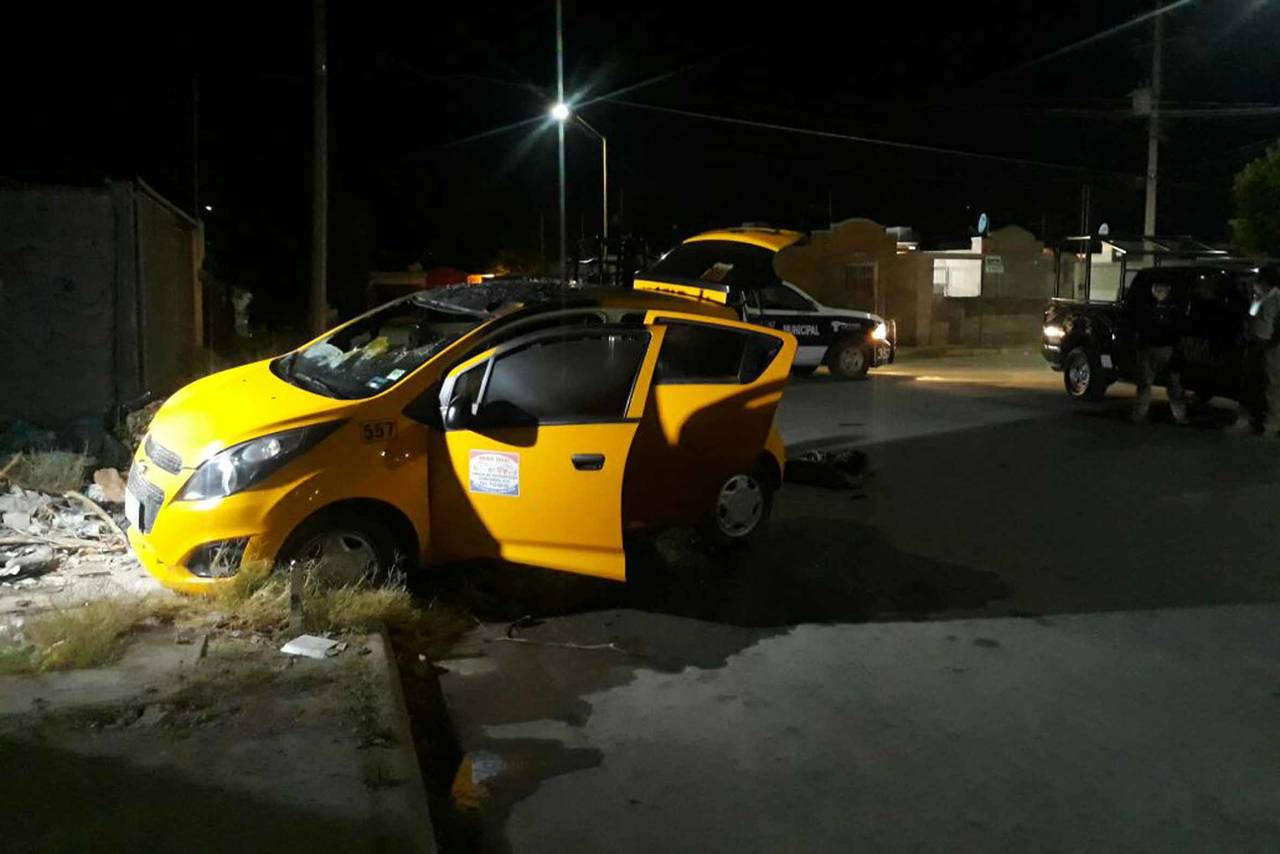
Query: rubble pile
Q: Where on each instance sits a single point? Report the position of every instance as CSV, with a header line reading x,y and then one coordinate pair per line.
x,y
40,532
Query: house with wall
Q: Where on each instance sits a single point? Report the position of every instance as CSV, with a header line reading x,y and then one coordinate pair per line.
x,y
858,264
989,293
993,292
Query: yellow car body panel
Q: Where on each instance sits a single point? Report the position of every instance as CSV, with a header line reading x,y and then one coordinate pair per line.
x,y
562,518
774,239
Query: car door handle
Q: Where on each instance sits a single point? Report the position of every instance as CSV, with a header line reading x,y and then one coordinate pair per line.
x,y
588,462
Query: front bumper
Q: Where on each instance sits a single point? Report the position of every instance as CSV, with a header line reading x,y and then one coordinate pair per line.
x,y
883,353
179,528
1052,354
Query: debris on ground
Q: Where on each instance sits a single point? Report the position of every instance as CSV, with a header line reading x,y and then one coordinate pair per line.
x,y
39,532
111,485
133,429
828,469
313,646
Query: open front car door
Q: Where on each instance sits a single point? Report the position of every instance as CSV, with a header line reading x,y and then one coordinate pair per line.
x,y
536,435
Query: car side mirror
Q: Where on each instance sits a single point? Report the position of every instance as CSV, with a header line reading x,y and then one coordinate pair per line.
x,y
458,415
425,408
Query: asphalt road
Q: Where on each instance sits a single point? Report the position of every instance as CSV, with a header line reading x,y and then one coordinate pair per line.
x,y
1034,625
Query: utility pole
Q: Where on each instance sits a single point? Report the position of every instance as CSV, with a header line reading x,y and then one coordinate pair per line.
x,y
1086,202
195,147
564,253
319,313
1153,129
604,192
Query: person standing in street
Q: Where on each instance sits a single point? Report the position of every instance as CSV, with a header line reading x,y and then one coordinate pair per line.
x,y
1260,400
1158,324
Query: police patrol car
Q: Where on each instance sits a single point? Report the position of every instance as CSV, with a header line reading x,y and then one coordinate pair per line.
x,y
735,265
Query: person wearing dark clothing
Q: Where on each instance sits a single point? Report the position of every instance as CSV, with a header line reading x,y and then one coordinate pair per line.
x,y
1260,402
1158,325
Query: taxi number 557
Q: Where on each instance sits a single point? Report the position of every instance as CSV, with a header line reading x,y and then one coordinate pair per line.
x,y
377,431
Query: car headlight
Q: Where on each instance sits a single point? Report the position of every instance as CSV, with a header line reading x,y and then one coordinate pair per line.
x,y
881,332
240,466
1053,334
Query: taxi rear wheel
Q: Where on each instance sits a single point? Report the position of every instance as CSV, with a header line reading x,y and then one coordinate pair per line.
x,y
343,547
742,508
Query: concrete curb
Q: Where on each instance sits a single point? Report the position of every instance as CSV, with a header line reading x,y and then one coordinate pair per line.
x,y
401,809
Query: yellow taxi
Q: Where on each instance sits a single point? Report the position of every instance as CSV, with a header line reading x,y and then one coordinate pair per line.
x,y
515,420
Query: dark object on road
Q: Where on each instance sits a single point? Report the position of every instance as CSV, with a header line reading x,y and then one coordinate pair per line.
x,y
1095,344
828,469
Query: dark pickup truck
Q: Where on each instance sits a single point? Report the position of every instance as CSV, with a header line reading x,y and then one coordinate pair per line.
x,y
1093,343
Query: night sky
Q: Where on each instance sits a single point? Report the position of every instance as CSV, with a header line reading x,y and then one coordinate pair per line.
x,y
110,93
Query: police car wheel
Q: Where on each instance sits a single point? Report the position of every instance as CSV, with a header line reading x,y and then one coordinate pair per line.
x,y
850,360
742,509
342,548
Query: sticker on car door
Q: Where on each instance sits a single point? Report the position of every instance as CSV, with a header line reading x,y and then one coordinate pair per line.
x,y
494,473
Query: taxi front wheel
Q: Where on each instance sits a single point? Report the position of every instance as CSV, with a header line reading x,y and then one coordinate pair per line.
x,y
742,508
342,547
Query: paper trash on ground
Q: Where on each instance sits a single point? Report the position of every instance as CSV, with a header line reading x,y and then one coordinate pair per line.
x,y
311,646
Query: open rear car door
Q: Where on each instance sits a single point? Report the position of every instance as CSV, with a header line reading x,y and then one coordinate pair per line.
x,y
715,390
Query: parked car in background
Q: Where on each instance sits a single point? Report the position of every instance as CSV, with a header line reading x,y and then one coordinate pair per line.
x,y
522,421
741,261
1093,343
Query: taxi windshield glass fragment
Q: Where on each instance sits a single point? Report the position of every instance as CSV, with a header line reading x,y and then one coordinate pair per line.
x,y
376,351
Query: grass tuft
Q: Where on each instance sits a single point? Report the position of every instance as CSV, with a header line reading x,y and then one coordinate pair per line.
x,y
90,635
50,471
257,601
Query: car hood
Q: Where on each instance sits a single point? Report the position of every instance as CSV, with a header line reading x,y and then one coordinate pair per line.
x,y
848,314
233,406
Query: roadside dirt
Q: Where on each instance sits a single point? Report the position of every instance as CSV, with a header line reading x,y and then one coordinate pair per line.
x,y
245,750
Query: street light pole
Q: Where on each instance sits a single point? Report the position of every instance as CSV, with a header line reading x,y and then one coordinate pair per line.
x,y
564,249
561,112
604,190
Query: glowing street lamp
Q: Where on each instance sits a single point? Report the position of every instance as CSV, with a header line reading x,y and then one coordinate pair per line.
x,y
561,113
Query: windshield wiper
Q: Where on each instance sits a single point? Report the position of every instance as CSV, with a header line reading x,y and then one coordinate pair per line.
x,y
315,384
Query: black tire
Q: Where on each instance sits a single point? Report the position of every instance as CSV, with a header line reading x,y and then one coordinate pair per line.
x,y
803,370
723,531
1083,375
372,550
849,359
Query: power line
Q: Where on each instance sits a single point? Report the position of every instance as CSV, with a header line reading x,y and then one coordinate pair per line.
x,y
493,131
1107,33
844,137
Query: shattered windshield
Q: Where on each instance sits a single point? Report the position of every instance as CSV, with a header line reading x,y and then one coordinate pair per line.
x,y
376,351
